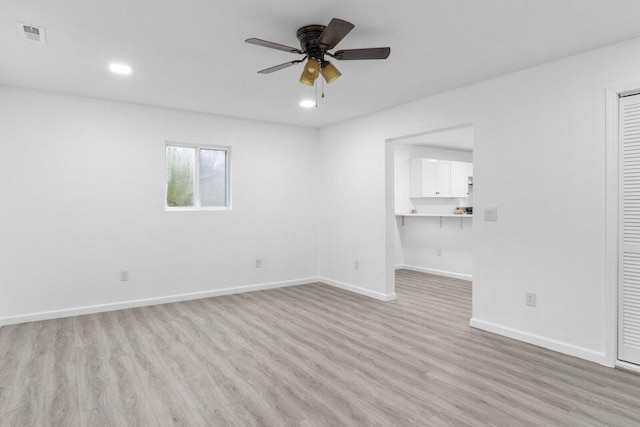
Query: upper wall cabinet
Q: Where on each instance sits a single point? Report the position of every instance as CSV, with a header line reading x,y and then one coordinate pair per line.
x,y
439,178
459,179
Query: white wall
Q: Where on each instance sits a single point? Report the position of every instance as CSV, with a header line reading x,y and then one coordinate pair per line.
x,y
424,243
539,132
430,247
83,198
83,195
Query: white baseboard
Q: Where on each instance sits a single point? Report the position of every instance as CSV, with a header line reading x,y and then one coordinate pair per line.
x,y
434,271
55,314
358,290
631,367
540,341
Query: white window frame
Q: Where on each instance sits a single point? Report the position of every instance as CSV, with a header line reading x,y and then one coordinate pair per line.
x,y
196,183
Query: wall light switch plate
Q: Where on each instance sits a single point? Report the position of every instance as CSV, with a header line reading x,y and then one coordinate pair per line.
x,y
490,214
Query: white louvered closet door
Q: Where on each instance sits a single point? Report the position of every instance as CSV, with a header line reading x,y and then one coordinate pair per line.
x,y
629,238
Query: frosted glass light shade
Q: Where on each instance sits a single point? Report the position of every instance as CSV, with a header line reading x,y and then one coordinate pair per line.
x,y
310,72
312,66
330,72
307,78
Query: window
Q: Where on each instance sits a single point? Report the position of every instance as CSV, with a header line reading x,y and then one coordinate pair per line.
x,y
197,177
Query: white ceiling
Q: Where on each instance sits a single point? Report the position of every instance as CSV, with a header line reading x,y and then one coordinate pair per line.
x,y
191,54
459,139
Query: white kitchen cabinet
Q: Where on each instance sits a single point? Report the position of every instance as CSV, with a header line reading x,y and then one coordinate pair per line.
x,y
419,172
438,178
442,180
427,175
460,179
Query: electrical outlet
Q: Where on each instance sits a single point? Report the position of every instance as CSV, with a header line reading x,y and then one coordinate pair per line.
x,y
531,299
258,262
356,265
124,276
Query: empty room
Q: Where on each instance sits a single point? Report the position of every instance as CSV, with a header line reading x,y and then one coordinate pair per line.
x,y
296,213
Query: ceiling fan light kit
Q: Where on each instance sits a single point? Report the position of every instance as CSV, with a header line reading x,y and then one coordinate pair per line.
x,y
310,72
330,72
315,42
308,78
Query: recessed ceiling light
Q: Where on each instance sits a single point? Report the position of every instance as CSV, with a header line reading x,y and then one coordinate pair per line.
x,y
123,69
307,103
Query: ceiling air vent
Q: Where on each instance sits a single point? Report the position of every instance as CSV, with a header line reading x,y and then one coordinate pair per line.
x,y
31,33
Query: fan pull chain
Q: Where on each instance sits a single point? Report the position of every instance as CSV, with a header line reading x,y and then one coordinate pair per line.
x,y
316,87
322,88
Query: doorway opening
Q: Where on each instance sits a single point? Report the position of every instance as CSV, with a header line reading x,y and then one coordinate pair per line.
x,y
430,203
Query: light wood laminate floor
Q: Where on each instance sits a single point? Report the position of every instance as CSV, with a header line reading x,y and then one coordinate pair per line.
x,y
310,355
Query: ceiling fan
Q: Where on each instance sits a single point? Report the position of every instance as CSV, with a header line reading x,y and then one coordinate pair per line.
x,y
315,43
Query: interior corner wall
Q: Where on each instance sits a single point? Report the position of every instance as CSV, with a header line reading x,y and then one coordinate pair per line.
x,y
83,187
539,157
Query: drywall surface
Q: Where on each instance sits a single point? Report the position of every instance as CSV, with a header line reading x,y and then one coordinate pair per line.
x,y
436,245
539,132
83,198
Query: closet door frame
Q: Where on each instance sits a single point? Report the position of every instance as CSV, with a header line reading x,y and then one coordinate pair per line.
x,y
612,201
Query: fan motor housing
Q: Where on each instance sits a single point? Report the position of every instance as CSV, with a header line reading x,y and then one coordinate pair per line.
x,y
308,37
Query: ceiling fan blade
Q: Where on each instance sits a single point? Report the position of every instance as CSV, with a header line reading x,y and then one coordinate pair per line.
x,y
334,32
279,67
273,45
370,53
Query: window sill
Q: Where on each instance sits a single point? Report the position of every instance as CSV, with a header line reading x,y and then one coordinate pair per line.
x,y
207,209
